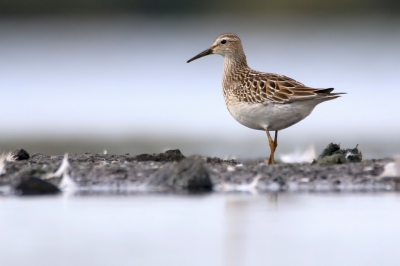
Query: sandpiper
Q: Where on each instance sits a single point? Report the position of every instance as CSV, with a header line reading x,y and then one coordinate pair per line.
x,y
262,101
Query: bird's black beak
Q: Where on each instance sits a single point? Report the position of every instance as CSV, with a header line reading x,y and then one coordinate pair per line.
x,y
204,53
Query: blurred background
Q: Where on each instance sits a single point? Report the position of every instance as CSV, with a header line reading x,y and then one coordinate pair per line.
x,y
82,76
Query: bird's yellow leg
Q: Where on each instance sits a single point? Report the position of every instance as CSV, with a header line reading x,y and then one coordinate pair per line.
x,y
272,145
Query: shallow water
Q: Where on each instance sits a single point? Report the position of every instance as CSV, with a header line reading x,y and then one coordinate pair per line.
x,y
212,229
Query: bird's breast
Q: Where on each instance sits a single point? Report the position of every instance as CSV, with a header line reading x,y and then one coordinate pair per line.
x,y
274,116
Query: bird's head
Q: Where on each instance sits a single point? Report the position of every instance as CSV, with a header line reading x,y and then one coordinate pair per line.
x,y
226,45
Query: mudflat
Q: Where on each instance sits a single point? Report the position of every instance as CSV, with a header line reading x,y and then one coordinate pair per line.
x,y
171,171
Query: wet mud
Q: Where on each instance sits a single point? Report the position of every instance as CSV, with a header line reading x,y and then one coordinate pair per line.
x,y
171,171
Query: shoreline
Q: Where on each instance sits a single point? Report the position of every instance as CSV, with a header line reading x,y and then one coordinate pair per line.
x,y
172,172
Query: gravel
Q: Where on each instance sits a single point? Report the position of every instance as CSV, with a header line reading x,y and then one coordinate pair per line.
x,y
172,172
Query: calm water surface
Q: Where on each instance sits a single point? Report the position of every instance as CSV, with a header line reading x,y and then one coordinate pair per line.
x,y
227,229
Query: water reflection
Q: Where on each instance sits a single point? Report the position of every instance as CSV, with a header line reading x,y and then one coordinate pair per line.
x,y
289,229
237,209
213,229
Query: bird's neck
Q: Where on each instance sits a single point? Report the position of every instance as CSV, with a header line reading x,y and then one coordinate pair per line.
x,y
234,67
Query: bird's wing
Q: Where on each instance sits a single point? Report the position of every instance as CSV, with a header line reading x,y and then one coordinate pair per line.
x,y
262,87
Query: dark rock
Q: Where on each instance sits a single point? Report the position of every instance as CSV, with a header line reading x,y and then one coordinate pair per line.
x,y
332,155
332,160
331,149
353,155
38,173
168,156
144,157
20,155
190,174
36,186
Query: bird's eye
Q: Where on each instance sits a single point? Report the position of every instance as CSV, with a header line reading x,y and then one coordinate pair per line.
x,y
223,41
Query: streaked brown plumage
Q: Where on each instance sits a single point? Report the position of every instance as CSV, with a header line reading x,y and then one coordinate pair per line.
x,y
259,100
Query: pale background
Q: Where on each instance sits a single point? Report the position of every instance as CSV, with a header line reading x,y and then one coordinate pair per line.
x,y
89,77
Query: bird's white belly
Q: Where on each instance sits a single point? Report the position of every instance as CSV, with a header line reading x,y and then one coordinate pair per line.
x,y
273,116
